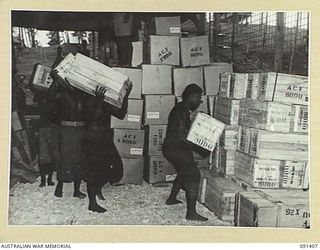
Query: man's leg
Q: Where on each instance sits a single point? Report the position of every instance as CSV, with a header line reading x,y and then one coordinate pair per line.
x,y
176,187
191,186
50,170
59,188
77,192
93,205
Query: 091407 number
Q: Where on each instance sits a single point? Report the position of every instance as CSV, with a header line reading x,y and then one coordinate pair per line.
x,y
312,246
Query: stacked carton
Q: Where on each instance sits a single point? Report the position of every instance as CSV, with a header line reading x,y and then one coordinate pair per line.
x,y
128,133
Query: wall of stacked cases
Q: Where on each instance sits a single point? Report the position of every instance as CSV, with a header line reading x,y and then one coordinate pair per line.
x,y
260,41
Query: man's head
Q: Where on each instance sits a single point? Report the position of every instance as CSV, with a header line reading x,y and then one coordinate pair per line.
x,y
192,96
84,44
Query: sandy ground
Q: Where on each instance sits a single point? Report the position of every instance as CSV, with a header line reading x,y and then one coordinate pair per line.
x,y
126,205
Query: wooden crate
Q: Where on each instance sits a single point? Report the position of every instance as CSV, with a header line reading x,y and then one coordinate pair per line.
x,y
293,207
227,161
221,197
278,146
273,145
233,85
205,131
278,87
299,119
253,210
86,74
262,173
265,115
227,110
253,86
229,138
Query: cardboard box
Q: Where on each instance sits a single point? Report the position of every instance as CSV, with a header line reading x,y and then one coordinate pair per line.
x,y
221,197
158,108
229,138
227,110
135,76
132,171
203,106
123,23
156,79
163,50
234,85
41,78
182,77
265,115
129,142
155,138
271,145
165,26
137,54
212,76
159,169
86,74
205,131
195,51
133,118
262,173
278,87
299,119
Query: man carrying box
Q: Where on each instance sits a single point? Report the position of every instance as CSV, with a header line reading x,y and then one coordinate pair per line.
x,y
180,152
104,162
69,107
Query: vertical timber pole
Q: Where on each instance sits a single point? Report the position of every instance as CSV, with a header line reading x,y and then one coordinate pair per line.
x,y
279,42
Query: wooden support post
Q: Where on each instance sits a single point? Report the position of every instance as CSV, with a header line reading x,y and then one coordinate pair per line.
x,y
279,42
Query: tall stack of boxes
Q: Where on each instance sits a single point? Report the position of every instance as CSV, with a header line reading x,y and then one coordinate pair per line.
x,y
264,149
161,52
128,133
